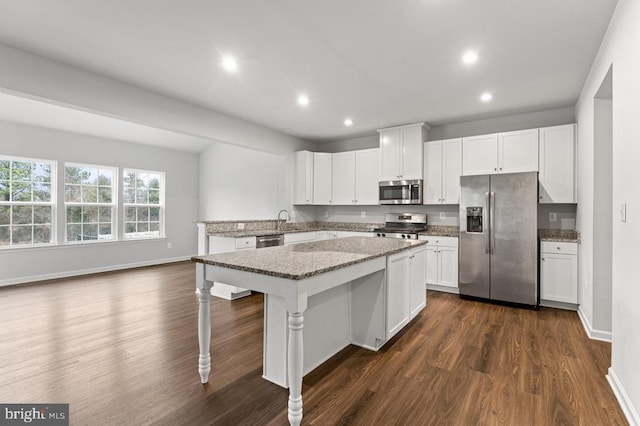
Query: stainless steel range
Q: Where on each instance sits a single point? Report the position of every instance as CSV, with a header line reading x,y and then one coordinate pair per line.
x,y
403,225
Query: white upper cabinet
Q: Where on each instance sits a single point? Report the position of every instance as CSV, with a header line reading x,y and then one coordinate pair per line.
x,y
401,151
557,164
367,176
343,182
322,175
509,152
303,178
518,151
442,167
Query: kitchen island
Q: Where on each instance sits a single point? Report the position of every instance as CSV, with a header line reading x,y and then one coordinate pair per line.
x,y
354,291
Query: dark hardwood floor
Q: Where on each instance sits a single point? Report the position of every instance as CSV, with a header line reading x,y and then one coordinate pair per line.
x,y
122,348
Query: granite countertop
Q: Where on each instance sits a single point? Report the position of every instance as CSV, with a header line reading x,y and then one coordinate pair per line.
x,y
559,235
305,260
291,228
441,231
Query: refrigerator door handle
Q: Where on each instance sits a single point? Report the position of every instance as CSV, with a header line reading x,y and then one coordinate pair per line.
x,y
492,221
487,230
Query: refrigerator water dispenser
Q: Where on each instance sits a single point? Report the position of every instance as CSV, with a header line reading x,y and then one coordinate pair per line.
x,y
474,219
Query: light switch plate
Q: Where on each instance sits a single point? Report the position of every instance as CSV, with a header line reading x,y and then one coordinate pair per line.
x,y
363,214
443,215
326,214
623,212
240,225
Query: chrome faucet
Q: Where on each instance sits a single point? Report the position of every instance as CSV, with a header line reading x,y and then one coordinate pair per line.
x,y
279,222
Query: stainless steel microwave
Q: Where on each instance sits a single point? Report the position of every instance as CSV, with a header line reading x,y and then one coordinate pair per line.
x,y
400,191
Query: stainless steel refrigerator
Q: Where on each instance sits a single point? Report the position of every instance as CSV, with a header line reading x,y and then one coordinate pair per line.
x,y
498,253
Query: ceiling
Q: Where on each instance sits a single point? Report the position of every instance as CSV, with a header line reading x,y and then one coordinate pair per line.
x,y
380,62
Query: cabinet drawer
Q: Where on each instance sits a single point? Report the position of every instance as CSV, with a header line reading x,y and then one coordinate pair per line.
x,y
440,241
558,247
245,242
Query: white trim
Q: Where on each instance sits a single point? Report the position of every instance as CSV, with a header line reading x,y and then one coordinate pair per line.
x,y
442,288
65,274
623,399
604,336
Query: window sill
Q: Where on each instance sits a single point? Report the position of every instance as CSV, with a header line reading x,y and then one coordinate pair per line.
x,y
76,244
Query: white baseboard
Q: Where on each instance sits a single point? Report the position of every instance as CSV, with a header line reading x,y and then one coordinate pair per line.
x,y
443,288
594,334
623,399
75,273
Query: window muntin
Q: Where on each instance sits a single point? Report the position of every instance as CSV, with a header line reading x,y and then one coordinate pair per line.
x,y
143,202
27,200
90,194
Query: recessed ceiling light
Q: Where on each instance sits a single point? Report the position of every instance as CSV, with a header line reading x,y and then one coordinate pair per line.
x,y
470,57
348,122
486,97
229,63
303,100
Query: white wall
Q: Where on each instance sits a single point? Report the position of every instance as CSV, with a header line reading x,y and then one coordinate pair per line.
x,y
375,214
620,49
181,200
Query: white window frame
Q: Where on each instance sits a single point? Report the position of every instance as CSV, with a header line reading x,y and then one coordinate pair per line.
x,y
82,204
52,204
125,205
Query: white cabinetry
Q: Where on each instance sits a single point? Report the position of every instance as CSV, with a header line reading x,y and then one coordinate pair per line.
x,y
299,237
322,165
401,151
223,245
303,178
559,274
509,152
442,263
442,167
557,164
406,295
355,177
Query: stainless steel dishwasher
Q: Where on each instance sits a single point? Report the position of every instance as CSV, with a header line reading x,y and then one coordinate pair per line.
x,y
263,241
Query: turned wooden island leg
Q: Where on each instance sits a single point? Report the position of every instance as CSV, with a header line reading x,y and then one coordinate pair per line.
x,y
204,333
295,362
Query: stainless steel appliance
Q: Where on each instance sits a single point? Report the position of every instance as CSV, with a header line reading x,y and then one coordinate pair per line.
x,y
403,225
498,247
263,241
400,191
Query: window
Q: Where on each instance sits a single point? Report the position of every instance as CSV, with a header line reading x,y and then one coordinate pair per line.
x,y
89,195
27,198
143,204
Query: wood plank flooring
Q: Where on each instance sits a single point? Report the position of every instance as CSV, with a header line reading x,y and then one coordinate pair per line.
x,y
122,348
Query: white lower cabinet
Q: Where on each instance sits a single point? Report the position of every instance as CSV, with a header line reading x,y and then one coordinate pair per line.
x,y
299,237
442,263
223,245
406,295
559,274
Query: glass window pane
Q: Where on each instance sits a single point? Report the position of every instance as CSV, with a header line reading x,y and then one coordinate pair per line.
x,y
129,180
90,214
22,234
90,231
129,195
72,193
73,174
74,214
130,227
104,214
142,196
21,171
130,214
143,227
21,191
89,176
42,234
89,194
154,227
105,177
4,190
143,214
5,215
41,214
105,232
154,182
5,170
5,236
104,194
74,232
22,215
154,214
42,172
154,197
42,192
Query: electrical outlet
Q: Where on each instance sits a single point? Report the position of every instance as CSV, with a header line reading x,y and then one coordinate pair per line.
x,y
443,215
169,246
363,214
553,217
326,214
241,226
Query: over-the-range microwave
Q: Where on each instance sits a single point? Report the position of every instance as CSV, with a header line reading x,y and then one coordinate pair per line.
x,y
400,191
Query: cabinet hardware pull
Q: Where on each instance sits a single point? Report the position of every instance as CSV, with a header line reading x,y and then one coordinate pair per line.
x,y
495,170
558,248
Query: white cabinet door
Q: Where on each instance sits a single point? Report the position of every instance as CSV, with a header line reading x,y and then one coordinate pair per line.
x,y
418,299
303,178
451,170
322,178
367,176
518,151
343,178
390,152
557,164
559,277
411,156
480,155
398,294
448,275
433,264
432,189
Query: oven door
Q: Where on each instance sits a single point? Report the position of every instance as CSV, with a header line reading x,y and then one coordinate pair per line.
x,y
400,192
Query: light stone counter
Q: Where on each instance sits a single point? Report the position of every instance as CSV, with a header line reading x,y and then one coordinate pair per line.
x,y
304,260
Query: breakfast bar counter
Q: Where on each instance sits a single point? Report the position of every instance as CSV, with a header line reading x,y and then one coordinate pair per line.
x,y
341,282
